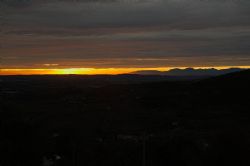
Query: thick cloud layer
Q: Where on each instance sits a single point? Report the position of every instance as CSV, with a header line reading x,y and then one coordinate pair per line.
x,y
125,33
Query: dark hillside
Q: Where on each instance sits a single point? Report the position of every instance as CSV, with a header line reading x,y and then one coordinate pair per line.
x,y
125,120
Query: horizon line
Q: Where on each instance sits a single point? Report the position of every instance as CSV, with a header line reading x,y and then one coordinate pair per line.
x,y
99,71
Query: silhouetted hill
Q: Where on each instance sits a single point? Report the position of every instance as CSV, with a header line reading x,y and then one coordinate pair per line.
x,y
235,80
110,120
227,93
189,72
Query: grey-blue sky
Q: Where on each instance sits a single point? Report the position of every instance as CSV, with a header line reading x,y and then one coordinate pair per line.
x,y
125,33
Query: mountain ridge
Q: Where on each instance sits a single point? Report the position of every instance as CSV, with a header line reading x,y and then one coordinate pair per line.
x,y
189,72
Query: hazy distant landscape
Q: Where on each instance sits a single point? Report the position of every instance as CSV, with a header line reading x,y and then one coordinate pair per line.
x,y
124,82
189,72
125,120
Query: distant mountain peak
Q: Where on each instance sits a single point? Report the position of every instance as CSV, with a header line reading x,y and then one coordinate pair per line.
x,y
189,72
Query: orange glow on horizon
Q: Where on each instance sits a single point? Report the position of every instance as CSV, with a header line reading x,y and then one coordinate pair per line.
x,y
94,71
80,71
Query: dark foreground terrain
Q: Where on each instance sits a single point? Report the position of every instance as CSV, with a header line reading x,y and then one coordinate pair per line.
x,y
125,121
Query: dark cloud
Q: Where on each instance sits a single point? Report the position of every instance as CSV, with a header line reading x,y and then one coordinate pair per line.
x,y
88,31
184,14
25,3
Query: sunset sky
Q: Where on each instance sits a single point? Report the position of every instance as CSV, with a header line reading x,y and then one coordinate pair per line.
x,y
120,36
